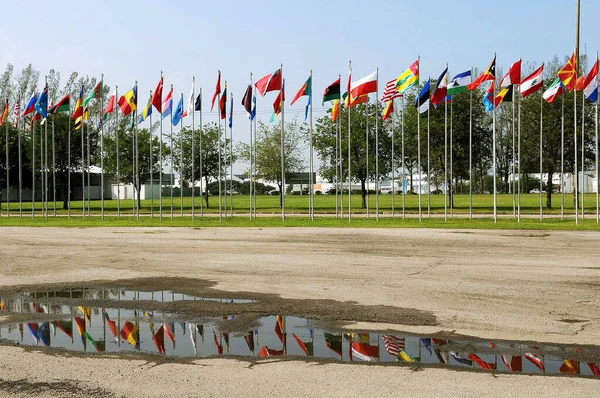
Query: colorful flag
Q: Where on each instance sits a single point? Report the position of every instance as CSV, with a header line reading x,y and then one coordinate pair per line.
x,y
217,91
460,359
16,111
128,102
253,114
41,106
487,75
270,82
568,73
306,89
249,337
231,113
33,329
147,111
110,106
170,331
488,99
393,344
555,89
409,78
157,96
505,95
422,100
278,103
355,101
332,92
223,103
459,83
364,86
95,93
4,115
390,92
167,104
365,351
191,103
405,356
177,115
129,332
65,326
335,110
112,325
62,106
78,122
30,108
306,347
533,82
513,76
591,83
78,110
440,92
247,100
389,110
568,366
44,333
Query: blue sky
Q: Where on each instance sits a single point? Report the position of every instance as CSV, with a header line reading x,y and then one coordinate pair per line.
x,y
130,41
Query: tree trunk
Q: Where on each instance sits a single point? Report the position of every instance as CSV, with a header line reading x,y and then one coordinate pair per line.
x,y
363,193
549,189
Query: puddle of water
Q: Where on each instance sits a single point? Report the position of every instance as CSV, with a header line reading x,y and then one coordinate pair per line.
x,y
85,329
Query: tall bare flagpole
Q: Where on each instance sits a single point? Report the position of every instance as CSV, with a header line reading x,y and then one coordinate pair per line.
x,y
471,151
349,139
231,157
312,182
541,154
151,166
494,149
377,147
193,153
171,151
117,149
101,146
282,148
202,187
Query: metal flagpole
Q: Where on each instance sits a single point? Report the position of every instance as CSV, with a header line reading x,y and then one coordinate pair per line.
x,y
541,154
193,153
451,197
471,151
255,132
251,179
377,147
419,153
596,150
562,159
160,156
340,157
137,155
53,168
367,149
181,165
202,187
231,158
576,174
7,173
151,166
32,170
20,161
69,162
337,165
349,138
519,163
582,154
102,146
171,151
117,149
312,183
393,162
282,148
402,165
46,163
494,148
219,146
428,168
83,165
446,159
513,157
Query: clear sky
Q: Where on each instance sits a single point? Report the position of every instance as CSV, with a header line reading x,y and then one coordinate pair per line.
x,y
130,41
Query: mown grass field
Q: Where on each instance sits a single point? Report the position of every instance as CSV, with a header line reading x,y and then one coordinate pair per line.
x,y
268,211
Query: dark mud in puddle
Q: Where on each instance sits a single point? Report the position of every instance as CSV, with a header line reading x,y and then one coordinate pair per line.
x,y
130,322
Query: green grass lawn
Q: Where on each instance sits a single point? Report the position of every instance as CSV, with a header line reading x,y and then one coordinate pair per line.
x,y
297,209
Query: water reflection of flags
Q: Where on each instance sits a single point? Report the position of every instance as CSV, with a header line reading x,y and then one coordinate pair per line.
x,y
279,327
427,344
249,337
307,347
80,322
159,339
594,368
170,332
460,359
217,345
65,326
87,312
112,325
129,332
334,343
200,330
267,352
33,329
364,351
393,344
535,360
569,366
405,357
193,337
515,364
225,337
482,364
37,308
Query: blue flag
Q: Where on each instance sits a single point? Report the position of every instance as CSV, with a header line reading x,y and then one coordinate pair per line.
x,y
41,106
178,113
253,113
306,108
231,113
198,103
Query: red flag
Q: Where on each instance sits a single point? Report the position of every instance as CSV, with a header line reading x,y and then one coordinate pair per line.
x,y
569,366
482,364
488,74
568,73
217,92
223,103
513,76
279,328
594,368
157,96
270,82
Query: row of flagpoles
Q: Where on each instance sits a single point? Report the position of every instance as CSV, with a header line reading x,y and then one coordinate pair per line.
x,y
357,93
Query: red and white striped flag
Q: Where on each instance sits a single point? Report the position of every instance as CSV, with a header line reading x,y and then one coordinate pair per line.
x,y
393,344
390,92
16,114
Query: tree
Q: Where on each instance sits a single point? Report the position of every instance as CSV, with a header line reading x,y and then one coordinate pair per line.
x,y
362,122
127,170
206,138
268,152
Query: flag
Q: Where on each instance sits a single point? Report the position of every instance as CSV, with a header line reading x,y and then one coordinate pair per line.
x,y
409,78
405,356
355,101
41,106
335,110
279,327
267,352
514,365
535,360
389,110
231,113
488,99
30,108
568,73
482,364
62,106
422,100
488,74
306,108
393,344
277,104
365,351
533,82
223,103
441,88
217,345
78,111
177,115
80,322
159,339
65,326
513,76
157,95
112,325
364,86
191,103
505,95
129,332
95,93
198,102
167,104
247,100
590,84
170,331
334,342
459,83
307,348
128,102
33,329
594,368
4,116
568,366
16,111
332,92
555,89
460,359
78,122
217,91
147,111
306,89
270,82
390,92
